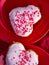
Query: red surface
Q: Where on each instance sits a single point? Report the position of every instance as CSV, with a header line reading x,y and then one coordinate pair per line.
x,y
40,29
44,43
7,34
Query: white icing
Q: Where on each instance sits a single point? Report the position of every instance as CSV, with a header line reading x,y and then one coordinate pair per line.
x,y
14,51
30,9
34,57
17,52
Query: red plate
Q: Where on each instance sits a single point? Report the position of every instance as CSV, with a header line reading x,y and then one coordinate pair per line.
x,y
40,29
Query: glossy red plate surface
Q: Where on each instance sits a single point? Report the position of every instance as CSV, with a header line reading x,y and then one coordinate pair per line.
x,y
40,29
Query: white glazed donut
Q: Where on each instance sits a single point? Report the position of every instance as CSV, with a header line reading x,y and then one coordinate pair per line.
x,y
23,18
18,55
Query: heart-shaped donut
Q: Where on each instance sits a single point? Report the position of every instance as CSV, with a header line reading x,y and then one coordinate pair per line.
x,y
23,18
18,55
